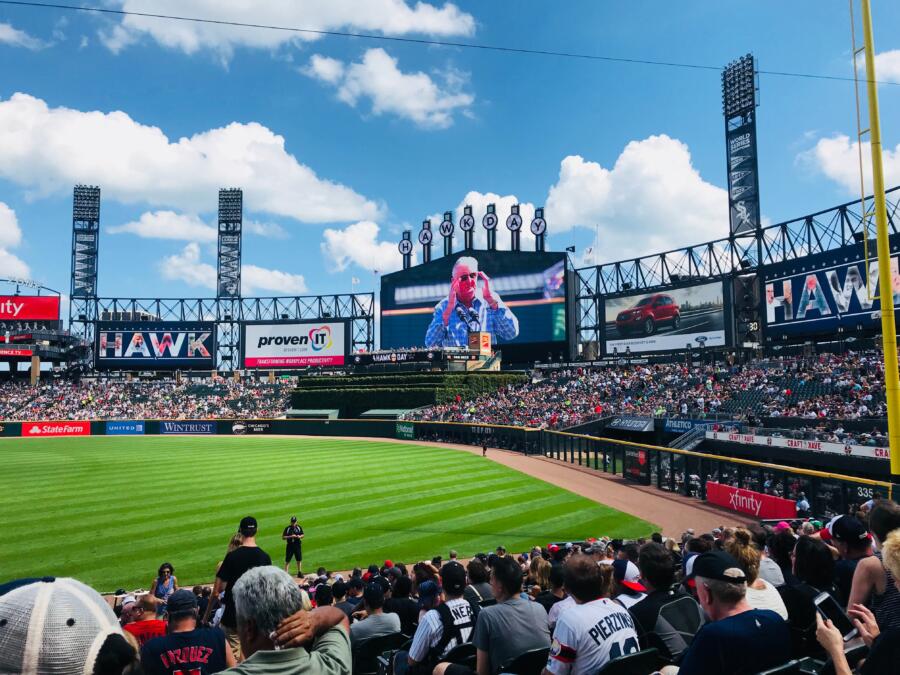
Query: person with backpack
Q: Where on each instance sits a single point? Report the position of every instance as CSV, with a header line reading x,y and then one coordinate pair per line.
x,y
441,629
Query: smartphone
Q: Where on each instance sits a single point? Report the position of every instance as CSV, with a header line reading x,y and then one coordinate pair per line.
x,y
829,608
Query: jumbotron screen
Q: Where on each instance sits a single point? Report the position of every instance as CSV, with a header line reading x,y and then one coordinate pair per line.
x,y
666,320
517,297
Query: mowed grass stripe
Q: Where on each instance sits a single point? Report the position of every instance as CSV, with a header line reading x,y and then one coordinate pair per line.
x,y
110,510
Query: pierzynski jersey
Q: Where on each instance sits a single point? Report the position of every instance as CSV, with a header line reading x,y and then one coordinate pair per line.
x,y
587,636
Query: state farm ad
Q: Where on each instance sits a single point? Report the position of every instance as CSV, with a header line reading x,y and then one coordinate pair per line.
x,y
29,308
295,345
753,503
64,428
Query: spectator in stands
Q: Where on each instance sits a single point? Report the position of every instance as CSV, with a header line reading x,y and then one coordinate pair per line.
x,y
429,597
813,574
781,549
186,647
557,591
849,536
768,568
884,645
339,591
627,587
738,638
163,586
267,602
538,575
509,628
244,558
373,621
873,584
479,587
403,606
596,629
140,619
443,628
668,618
324,596
760,593
61,626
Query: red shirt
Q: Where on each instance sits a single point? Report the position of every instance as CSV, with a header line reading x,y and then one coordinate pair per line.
x,y
145,631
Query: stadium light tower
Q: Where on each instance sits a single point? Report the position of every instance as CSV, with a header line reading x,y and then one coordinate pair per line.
x,y
739,108
85,248
888,325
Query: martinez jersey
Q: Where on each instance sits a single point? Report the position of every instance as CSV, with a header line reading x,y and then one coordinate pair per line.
x,y
199,652
588,636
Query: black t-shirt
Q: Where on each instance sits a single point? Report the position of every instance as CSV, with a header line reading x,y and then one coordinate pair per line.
x,y
408,611
200,651
546,599
884,657
289,530
741,644
843,578
233,567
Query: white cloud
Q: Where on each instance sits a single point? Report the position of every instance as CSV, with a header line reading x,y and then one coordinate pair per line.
x,y
47,150
838,159
18,38
267,230
887,66
168,225
389,17
652,199
188,267
10,237
358,244
414,96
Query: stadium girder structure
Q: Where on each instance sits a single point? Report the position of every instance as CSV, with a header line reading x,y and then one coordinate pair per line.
x,y
358,308
721,259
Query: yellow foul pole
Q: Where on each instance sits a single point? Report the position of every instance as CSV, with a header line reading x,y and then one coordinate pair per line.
x,y
886,289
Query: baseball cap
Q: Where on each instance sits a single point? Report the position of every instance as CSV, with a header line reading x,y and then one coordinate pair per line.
x,y
248,526
293,519
782,525
427,590
553,548
847,529
717,565
389,563
374,595
628,574
687,564
66,620
181,601
453,578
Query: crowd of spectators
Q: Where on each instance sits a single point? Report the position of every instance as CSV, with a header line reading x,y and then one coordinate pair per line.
x,y
735,600
823,388
143,399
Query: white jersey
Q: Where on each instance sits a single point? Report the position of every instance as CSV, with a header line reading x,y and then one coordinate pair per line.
x,y
588,636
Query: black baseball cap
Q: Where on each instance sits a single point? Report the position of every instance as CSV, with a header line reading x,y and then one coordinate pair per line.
x,y
248,526
374,595
453,578
718,565
181,601
293,519
848,529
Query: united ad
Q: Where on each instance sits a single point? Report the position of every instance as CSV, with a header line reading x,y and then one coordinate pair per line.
x,y
295,345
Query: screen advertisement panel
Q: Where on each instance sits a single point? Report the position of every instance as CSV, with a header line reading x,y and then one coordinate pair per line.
x,y
162,345
824,292
666,320
295,345
29,308
518,297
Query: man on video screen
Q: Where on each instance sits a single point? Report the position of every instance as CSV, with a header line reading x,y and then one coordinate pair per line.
x,y
463,311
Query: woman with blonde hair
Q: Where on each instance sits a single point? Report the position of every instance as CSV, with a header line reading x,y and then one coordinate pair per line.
x,y
760,593
539,574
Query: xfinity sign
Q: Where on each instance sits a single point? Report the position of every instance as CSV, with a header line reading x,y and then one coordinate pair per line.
x,y
295,345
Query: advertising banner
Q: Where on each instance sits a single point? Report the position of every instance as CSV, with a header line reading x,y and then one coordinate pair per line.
x,y
752,503
682,425
249,427
406,431
62,428
871,451
129,428
678,318
10,428
155,345
295,345
514,297
29,308
15,352
829,291
631,423
636,465
188,428
743,182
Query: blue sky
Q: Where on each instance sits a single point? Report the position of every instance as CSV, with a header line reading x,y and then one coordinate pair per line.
x,y
341,143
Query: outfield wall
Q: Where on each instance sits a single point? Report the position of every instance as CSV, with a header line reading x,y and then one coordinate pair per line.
x,y
743,485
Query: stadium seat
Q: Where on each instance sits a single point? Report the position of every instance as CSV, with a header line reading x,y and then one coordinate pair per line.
x,y
529,663
487,602
463,654
365,655
789,668
637,663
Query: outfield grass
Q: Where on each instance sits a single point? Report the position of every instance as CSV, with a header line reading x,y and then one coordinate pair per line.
x,y
108,511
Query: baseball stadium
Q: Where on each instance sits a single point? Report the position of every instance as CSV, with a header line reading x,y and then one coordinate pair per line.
x,y
492,453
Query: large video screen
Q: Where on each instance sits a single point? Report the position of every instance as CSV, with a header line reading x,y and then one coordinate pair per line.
x,y
518,297
29,308
824,292
295,345
157,345
666,320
